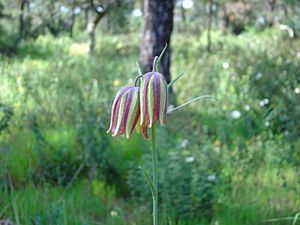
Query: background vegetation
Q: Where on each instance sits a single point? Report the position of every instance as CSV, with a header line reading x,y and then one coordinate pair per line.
x,y
231,161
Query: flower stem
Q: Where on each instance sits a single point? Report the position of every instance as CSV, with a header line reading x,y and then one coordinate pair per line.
x,y
155,182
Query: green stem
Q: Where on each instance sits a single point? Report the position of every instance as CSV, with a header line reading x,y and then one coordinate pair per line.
x,y
155,195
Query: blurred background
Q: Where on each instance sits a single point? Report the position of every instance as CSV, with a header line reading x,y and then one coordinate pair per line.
x,y
234,161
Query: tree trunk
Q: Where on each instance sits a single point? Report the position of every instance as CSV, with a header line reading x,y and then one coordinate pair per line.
x,y
182,10
86,18
158,26
272,4
72,22
2,15
21,19
210,12
91,32
225,17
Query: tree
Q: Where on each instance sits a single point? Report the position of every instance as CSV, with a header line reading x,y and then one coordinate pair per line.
x,y
2,14
71,21
101,8
23,3
91,27
210,12
158,26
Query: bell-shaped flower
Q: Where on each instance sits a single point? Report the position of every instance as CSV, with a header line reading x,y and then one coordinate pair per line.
x,y
142,129
153,99
125,111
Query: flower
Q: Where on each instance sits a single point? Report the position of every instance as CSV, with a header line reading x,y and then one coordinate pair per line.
x,y
125,111
225,65
141,128
184,143
113,213
211,177
247,107
258,76
190,159
153,99
235,114
116,83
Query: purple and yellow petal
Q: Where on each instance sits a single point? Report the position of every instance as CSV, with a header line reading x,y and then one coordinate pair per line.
x,y
157,102
154,99
120,116
140,108
133,111
163,101
150,101
125,111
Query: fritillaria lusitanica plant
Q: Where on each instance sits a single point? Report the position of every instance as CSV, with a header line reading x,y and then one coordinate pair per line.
x,y
140,107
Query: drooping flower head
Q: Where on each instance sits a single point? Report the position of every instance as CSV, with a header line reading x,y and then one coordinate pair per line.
x,y
125,111
153,99
142,129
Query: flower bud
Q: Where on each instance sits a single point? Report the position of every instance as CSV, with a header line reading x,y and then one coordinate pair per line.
x,y
125,111
153,99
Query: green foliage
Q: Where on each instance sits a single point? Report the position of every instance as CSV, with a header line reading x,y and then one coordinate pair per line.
x,y
186,185
118,17
230,161
7,41
54,205
255,114
256,87
63,102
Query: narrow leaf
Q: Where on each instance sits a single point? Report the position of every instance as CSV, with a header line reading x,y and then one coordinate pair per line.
x,y
155,62
160,56
138,68
193,100
296,218
149,180
173,81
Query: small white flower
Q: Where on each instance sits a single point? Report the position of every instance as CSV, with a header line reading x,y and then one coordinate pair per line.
x,y
261,103
258,76
136,12
235,114
190,159
266,101
113,213
267,123
262,20
217,149
187,4
77,10
211,177
184,143
297,90
247,107
64,9
225,65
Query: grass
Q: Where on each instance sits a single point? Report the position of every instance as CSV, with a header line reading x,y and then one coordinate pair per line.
x,y
260,198
60,104
55,205
97,204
